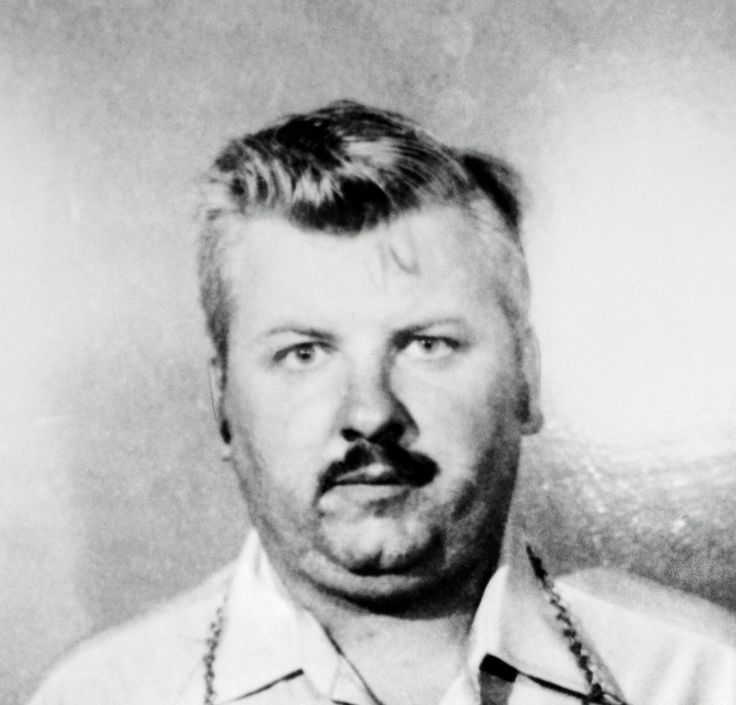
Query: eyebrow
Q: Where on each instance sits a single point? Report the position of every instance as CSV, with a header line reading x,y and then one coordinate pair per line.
x,y
306,331
309,332
431,322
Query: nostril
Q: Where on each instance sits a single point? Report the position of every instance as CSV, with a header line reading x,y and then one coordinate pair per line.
x,y
390,432
351,435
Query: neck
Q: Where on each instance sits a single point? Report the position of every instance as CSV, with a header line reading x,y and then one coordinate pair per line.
x,y
411,652
404,662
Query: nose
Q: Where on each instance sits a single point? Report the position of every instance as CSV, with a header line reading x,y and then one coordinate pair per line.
x,y
372,409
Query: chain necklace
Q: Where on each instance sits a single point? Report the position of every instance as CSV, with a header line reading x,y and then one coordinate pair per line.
x,y
586,662
213,641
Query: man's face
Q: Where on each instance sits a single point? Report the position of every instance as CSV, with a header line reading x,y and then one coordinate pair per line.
x,y
373,391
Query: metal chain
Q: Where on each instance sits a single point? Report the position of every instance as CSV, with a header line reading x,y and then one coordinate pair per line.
x,y
584,659
213,641
597,695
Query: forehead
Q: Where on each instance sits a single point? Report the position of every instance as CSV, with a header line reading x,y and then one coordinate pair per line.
x,y
430,258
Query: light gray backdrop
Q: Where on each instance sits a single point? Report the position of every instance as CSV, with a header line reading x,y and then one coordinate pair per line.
x,y
620,115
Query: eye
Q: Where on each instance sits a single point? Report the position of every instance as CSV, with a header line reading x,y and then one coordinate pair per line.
x,y
429,347
301,356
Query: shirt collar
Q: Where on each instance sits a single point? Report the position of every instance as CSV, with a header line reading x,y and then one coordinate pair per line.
x,y
517,623
265,638
330,673
258,645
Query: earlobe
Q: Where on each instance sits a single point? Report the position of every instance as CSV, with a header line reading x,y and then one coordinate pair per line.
x,y
217,389
531,418
533,422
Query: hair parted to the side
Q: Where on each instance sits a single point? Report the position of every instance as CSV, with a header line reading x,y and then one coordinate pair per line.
x,y
341,169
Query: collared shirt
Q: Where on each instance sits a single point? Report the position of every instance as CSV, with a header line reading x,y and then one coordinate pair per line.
x,y
650,646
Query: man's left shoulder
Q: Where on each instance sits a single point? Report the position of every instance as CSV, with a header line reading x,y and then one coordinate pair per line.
x,y
654,638
151,659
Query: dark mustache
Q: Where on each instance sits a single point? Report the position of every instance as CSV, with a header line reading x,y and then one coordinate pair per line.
x,y
410,466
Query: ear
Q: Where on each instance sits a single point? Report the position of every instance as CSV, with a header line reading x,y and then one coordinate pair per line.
x,y
530,368
217,391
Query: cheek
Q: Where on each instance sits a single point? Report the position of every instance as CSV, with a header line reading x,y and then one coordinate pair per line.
x,y
458,416
466,435
287,425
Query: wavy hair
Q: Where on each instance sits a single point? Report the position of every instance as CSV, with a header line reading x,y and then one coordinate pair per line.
x,y
343,169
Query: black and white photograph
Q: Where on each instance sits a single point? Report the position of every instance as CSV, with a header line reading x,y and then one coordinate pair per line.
x,y
368,353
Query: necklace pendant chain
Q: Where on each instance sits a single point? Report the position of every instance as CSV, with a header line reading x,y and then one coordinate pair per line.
x,y
213,641
586,661
597,695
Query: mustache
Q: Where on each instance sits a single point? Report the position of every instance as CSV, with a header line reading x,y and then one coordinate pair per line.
x,y
410,467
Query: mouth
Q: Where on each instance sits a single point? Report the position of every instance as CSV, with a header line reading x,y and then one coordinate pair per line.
x,y
373,488
386,469
374,474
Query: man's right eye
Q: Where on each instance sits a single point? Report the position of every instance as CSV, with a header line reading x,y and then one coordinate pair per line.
x,y
301,356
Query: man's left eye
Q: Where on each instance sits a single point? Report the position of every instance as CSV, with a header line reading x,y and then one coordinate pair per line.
x,y
429,347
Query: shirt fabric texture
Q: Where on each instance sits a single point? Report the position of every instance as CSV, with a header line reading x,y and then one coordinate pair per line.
x,y
653,646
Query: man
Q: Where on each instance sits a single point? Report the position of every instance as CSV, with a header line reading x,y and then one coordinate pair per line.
x,y
374,373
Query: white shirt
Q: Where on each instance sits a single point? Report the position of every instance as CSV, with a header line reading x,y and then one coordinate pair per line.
x,y
654,646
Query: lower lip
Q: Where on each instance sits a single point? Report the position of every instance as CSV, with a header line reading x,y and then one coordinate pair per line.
x,y
362,494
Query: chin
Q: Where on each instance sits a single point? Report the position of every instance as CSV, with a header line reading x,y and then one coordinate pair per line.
x,y
378,566
390,564
381,546
379,592
418,589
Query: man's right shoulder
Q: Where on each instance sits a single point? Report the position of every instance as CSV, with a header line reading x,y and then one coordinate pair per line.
x,y
154,658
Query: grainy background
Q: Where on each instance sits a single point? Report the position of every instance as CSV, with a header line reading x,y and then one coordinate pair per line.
x,y
621,116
